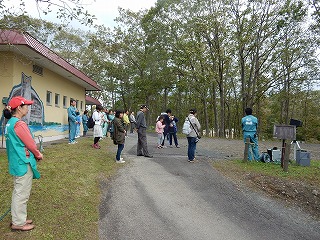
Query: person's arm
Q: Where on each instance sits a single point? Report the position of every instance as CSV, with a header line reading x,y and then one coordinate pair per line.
x,y
139,119
23,132
198,124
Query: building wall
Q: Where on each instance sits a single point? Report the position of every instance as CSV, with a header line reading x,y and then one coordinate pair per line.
x,y
6,74
14,68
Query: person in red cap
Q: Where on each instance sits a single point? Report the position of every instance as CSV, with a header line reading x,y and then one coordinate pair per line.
x,y
22,157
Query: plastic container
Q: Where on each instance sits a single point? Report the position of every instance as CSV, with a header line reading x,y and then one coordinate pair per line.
x,y
303,158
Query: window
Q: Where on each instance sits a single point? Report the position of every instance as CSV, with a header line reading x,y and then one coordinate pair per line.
x,y
65,100
49,98
38,70
57,100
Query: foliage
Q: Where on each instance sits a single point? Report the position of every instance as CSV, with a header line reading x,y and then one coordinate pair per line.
x,y
217,56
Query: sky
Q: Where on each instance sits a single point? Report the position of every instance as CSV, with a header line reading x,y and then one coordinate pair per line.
x,y
104,10
107,10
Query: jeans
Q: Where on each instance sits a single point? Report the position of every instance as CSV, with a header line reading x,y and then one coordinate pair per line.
x,y
160,138
174,135
191,147
120,148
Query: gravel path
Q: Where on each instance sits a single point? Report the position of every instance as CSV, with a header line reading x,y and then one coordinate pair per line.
x,y
168,198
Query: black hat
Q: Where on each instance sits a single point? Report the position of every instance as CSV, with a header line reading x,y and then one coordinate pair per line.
x,y
144,106
193,111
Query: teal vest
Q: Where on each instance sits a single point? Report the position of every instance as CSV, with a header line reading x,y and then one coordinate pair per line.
x,y
18,162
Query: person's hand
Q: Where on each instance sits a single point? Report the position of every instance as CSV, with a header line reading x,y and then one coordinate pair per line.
x,y
40,157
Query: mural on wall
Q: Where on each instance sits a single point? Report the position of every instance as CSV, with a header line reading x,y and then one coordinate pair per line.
x,y
36,114
35,118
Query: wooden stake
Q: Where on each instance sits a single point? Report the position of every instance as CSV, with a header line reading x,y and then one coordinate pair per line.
x,y
286,158
246,150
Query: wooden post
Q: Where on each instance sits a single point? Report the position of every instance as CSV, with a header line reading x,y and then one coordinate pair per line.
x,y
286,158
283,149
246,150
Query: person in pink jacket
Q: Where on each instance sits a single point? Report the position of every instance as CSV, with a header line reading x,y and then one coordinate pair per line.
x,y
159,129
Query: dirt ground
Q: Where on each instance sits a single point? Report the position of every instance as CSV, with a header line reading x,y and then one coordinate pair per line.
x,y
299,194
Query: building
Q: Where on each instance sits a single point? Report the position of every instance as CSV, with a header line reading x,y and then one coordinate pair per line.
x,y
30,69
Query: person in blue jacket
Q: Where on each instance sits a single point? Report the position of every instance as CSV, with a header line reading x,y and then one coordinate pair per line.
x,y
249,128
72,121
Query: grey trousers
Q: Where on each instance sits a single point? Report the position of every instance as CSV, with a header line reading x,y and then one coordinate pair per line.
x,y
142,147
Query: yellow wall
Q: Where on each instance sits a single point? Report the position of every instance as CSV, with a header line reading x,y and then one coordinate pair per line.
x,y
54,83
11,68
6,75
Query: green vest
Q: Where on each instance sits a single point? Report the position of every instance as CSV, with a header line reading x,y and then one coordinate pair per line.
x,y
18,162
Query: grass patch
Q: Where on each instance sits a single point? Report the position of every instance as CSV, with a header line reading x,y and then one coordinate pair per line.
x,y
310,174
64,202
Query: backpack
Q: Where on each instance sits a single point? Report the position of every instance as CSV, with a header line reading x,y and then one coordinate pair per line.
x,y
186,129
265,157
90,123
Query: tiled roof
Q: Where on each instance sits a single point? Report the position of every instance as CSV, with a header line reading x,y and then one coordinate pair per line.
x,y
10,37
92,101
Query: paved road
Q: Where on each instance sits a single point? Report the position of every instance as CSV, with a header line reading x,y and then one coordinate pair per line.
x,y
168,198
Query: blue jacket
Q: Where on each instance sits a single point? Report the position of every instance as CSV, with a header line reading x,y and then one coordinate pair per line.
x,y
249,124
72,114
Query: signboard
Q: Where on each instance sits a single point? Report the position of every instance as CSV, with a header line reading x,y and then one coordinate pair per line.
x,y
284,132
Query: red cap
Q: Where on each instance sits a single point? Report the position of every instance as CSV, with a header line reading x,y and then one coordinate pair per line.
x,y
17,101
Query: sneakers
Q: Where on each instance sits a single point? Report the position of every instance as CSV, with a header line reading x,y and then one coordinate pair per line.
x,y
96,146
191,161
159,146
73,142
177,146
120,161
